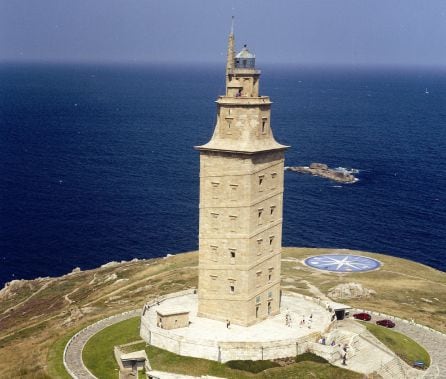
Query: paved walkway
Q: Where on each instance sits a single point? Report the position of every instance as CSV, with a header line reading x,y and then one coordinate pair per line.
x,y
73,350
433,342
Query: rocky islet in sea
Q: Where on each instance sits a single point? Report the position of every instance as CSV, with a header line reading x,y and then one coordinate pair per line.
x,y
320,169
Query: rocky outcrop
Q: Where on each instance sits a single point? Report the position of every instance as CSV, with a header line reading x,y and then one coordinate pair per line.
x,y
339,174
350,291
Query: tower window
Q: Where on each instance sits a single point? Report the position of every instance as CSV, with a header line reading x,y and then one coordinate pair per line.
x,y
214,253
233,192
233,225
215,186
261,178
263,126
259,215
214,220
271,240
270,274
258,278
259,246
258,299
231,288
273,180
228,131
232,256
272,209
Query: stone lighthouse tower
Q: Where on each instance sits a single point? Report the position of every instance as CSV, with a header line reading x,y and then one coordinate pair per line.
x,y
241,198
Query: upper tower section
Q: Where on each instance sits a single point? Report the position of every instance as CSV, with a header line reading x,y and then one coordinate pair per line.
x,y
243,116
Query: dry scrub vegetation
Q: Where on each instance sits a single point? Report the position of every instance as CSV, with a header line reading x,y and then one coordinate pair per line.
x,y
37,316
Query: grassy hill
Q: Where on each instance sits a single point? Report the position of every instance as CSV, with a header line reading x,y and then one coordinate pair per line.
x,y
38,316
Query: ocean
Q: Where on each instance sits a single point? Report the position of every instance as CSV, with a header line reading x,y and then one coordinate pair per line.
x,y
97,161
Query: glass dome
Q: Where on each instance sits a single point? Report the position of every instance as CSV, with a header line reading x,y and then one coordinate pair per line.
x,y
245,59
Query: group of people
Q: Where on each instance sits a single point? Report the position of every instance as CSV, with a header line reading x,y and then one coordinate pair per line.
x,y
302,323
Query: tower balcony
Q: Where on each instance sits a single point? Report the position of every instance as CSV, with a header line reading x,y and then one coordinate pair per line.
x,y
243,100
244,71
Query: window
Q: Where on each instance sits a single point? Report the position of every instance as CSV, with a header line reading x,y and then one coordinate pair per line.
x,y
270,295
233,222
264,120
233,192
271,241
231,286
261,179
273,180
228,131
272,209
232,256
258,299
214,253
270,274
215,186
259,246
258,278
214,221
259,215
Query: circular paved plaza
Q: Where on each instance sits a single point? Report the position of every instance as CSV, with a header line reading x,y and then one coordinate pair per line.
x,y
275,337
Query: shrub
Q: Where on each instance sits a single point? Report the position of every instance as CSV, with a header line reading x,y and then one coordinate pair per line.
x,y
251,366
310,357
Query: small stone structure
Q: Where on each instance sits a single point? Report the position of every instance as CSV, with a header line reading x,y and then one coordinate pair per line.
x,y
172,318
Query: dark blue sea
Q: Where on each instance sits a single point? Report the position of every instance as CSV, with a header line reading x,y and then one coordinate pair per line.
x,y
97,164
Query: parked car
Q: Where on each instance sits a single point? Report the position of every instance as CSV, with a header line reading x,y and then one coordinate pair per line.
x,y
362,316
386,323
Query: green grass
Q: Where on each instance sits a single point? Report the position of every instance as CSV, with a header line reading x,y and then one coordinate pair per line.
x,y
310,357
403,346
252,366
98,357
56,368
98,352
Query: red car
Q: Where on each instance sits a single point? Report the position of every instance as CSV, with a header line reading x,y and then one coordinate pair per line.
x,y
386,323
362,316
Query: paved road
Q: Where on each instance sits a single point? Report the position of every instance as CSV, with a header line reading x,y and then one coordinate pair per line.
x,y
434,343
73,351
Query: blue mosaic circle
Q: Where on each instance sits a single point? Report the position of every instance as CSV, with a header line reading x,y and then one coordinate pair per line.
x,y
342,263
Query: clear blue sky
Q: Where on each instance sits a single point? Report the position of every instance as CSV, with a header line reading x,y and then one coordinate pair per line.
x,y
394,32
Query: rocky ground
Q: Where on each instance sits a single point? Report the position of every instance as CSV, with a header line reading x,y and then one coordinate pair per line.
x,y
36,315
322,170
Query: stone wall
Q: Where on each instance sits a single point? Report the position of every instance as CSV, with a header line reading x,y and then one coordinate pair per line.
x,y
222,351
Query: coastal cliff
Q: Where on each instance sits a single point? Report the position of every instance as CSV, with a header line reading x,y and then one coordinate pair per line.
x,y
339,174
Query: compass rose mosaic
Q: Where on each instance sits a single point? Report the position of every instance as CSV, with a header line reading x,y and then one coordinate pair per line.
x,y
342,263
